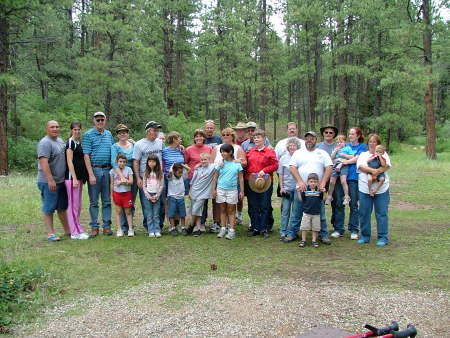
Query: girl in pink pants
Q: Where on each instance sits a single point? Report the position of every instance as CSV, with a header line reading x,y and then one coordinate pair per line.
x,y
76,176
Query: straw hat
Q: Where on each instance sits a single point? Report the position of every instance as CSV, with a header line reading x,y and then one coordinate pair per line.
x,y
240,125
260,184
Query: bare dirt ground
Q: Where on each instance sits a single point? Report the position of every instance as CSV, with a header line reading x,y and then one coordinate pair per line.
x,y
227,307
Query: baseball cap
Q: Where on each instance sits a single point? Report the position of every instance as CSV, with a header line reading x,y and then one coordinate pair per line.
x,y
99,113
312,133
240,125
251,125
152,124
121,127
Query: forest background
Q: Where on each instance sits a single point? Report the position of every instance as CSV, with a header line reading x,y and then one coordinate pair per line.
x,y
383,65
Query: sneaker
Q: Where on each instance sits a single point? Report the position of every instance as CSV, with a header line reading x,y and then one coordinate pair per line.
x,y
202,228
381,243
131,233
288,239
238,219
354,236
151,234
119,232
346,200
253,233
222,232
328,200
53,238
265,234
215,228
184,231
336,234
84,235
76,236
157,234
325,241
362,241
231,234
196,233
173,232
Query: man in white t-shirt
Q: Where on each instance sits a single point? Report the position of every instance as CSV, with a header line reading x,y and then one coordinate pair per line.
x,y
292,131
304,162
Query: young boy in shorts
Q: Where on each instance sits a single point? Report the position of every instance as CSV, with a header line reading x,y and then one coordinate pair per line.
x,y
311,199
200,191
121,193
225,190
175,197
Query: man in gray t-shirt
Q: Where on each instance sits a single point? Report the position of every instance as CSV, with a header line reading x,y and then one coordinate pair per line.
x,y
51,170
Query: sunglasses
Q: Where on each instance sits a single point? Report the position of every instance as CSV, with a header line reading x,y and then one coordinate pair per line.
x,y
99,120
226,134
328,132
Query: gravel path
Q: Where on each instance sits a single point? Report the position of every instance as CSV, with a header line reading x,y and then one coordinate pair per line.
x,y
227,307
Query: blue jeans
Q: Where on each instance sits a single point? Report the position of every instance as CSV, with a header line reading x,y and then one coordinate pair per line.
x,y
286,206
145,205
259,208
296,219
339,209
134,191
381,204
153,217
100,188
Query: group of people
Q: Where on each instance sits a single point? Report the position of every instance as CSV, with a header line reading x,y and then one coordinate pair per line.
x,y
226,169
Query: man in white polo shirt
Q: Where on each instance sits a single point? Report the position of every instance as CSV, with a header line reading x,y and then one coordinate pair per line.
x,y
304,162
292,131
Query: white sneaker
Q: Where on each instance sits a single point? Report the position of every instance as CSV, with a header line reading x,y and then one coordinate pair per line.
x,y
131,233
222,232
151,234
76,236
354,236
158,234
119,232
336,234
231,234
84,235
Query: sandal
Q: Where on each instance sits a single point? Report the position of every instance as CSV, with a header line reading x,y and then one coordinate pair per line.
x,y
302,244
315,244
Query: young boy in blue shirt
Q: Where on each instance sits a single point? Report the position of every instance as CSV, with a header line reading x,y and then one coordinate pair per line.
x,y
224,190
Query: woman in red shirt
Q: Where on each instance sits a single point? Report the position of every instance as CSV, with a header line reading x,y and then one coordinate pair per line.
x,y
261,163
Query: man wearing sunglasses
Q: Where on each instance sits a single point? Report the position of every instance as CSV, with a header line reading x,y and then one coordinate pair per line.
x,y
97,144
249,143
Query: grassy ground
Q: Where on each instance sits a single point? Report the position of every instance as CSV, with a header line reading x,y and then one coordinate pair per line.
x,y
417,257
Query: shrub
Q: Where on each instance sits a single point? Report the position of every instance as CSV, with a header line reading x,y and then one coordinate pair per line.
x,y
442,145
22,154
18,284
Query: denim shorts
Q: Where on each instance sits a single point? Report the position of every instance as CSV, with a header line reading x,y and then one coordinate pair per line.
x,y
343,171
53,200
177,207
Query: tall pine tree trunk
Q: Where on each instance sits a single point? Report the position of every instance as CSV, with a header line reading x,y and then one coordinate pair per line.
x,y
428,62
263,66
4,64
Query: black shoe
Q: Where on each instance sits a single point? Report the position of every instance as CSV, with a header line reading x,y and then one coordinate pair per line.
x,y
196,233
253,233
325,241
173,232
265,234
184,232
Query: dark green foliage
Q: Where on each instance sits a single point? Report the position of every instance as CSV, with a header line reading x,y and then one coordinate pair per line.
x,y
18,289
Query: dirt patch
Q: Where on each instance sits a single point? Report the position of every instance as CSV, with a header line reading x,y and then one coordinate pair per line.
x,y
407,206
226,307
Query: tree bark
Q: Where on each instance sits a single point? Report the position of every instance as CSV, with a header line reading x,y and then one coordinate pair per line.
x,y
4,67
263,65
428,62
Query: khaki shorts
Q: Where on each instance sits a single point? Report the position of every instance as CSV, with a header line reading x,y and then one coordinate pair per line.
x,y
310,222
197,207
227,196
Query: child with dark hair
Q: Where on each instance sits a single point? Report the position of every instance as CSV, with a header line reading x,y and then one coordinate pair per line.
x,y
153,184
175,196
312,199
121,192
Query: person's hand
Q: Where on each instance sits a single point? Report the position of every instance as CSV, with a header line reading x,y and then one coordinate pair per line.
x,y
340,145
75,183
123,180
52,185
214,194
300,187
322,187
220,164
261,173
92,180
190,196
181,147
139,182
338,167
241,195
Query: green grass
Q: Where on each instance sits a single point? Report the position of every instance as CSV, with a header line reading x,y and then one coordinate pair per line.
x,y
417,257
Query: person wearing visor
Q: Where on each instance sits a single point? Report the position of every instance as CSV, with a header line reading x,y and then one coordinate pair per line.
x,y
97,144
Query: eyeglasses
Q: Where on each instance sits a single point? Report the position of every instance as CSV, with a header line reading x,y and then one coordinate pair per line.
x,y
226,134
328,132
99,120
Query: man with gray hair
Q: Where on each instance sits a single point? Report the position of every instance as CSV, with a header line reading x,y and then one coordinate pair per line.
x,y
292,131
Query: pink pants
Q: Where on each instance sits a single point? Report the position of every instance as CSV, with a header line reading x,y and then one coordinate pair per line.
x,y
74,210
